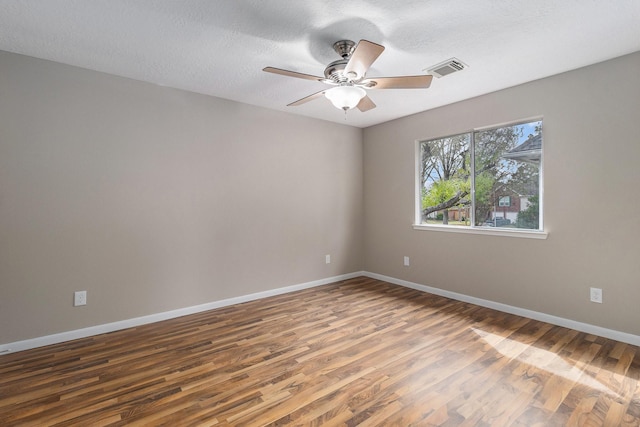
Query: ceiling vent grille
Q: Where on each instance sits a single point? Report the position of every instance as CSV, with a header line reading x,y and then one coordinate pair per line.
x,y
447,67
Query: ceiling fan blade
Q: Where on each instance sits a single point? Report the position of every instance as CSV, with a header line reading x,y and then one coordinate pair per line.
x,y
405,82
306,99
363,56
293,74
366,104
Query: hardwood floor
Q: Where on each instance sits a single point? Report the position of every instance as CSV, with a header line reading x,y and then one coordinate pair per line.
x,y
358,352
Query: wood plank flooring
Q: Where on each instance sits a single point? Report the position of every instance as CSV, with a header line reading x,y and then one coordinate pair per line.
x,y
355,353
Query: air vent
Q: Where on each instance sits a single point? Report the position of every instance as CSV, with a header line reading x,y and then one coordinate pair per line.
x,y
447,67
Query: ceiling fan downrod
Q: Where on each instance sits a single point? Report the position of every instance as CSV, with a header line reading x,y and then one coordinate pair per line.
x,y
344,48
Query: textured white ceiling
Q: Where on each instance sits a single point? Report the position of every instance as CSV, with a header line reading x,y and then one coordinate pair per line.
x,y
219,47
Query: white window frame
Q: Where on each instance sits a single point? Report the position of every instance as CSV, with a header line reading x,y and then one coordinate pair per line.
x,y
472,229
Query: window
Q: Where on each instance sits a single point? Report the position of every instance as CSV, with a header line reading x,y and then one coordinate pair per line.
x,y
481,179
504,201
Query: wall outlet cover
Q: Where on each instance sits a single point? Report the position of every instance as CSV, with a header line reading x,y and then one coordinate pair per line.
x,y
79,298
596,295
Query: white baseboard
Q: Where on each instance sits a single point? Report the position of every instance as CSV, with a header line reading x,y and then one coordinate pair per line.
x,y
530,314
130,323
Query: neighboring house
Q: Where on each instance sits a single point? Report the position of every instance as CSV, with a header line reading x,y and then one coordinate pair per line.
x,y
460,213
508,202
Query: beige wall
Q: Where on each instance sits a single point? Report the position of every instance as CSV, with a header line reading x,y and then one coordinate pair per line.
x,y
154,199
592,209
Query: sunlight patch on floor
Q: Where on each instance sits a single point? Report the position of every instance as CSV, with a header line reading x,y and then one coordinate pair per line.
x,y
542,359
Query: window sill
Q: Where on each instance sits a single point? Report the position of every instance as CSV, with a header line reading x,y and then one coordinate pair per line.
x,y
526,234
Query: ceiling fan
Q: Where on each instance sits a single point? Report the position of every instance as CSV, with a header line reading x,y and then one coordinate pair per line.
x,y
348,76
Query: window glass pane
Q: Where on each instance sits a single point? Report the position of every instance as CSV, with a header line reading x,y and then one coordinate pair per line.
x,y
504,201
445,181
507,176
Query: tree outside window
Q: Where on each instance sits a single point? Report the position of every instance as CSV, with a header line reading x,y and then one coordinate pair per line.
x,y
499,188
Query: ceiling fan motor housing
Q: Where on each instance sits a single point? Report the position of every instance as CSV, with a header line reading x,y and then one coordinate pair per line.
x,y
335,70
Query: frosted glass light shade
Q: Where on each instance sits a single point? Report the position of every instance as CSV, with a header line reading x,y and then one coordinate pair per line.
x,y
345,97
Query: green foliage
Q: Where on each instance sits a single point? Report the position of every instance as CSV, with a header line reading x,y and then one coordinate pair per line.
x,y
441,191
530,217
485,183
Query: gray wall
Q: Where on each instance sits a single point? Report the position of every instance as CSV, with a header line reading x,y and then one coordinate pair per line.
x,y
154,199
592,208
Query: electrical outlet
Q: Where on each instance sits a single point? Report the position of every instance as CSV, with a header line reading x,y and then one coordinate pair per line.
x,y
596,295
406,261
79,298
327,259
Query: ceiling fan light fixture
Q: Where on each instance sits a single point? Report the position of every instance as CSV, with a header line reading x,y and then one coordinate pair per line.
x,y
345,97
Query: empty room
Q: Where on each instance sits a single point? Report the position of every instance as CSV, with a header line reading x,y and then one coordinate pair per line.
x,y
364,213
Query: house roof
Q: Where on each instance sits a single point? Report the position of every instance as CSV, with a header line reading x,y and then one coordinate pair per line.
x,y
530,151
